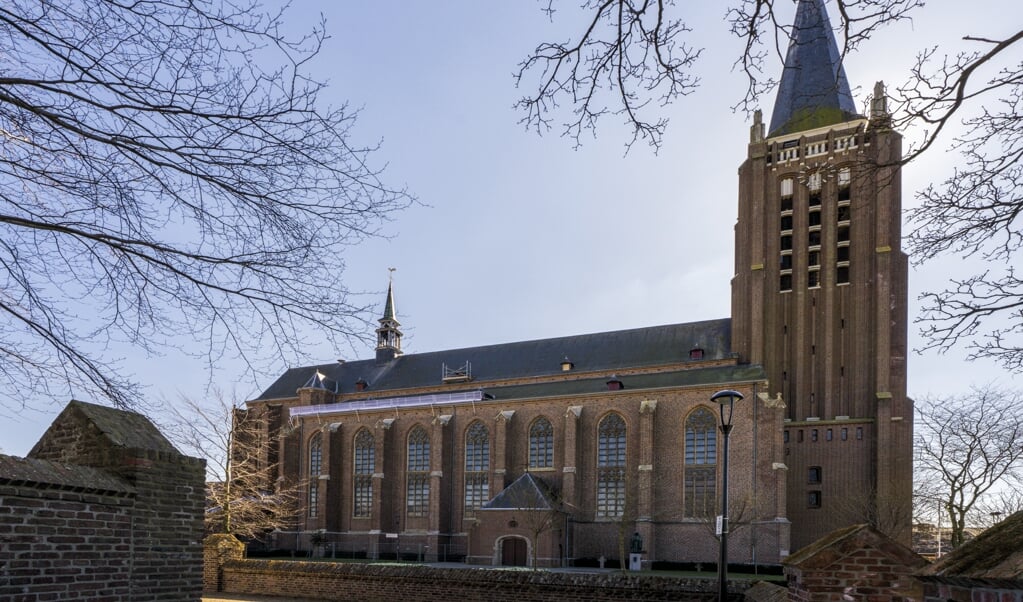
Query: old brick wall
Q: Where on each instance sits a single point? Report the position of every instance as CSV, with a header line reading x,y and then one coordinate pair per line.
x,y
867,574
64,543
361,582
104,508
168,530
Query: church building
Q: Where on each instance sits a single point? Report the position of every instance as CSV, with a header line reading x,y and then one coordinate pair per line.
x,y
583,448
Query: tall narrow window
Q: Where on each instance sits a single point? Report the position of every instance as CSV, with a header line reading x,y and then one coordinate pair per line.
x,y
700,479
417,474
365,464
315,465
611,466
541,444
477,466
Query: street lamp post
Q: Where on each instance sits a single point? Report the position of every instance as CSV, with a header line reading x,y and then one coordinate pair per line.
x,y
726,401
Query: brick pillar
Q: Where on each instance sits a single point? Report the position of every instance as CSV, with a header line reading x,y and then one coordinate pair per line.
x,y
332,434
571,456
217,549
500,451
437,453
645,473
378,520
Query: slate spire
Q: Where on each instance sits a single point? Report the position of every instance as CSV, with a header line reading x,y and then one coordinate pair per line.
x,y
388,335
814,91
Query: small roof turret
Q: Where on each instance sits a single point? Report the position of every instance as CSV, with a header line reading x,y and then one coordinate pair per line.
x,y
814,91
389,333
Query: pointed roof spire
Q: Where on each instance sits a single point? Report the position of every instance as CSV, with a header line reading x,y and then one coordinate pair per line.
x,y
389,335
389,313
814,91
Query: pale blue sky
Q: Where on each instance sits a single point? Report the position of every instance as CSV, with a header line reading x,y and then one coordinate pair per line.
x,y
522,237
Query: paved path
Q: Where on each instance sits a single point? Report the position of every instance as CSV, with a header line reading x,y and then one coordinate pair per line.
x,y
241,598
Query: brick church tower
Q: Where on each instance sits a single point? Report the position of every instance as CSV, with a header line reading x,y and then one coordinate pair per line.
x,y
820,289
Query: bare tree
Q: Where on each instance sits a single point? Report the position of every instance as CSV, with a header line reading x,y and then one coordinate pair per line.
x,y
969,445
243,494
167,166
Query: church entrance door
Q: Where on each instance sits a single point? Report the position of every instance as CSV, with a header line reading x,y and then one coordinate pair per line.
x,y
513,552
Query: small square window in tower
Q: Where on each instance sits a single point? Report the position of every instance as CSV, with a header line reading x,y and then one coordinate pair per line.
x,y
813,499
813,475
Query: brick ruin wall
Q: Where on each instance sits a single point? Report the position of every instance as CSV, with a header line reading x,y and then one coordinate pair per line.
x,y
124,524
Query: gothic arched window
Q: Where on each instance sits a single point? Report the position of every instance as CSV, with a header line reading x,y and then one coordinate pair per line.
x,y
365,464
477,466
541,444
699,484
315,465
417,474
611,466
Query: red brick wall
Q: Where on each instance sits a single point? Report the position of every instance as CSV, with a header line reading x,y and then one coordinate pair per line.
x,y
135,534
64,545
321,580
867,574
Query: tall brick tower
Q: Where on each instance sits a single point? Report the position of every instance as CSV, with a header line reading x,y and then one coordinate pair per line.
x,y
820,288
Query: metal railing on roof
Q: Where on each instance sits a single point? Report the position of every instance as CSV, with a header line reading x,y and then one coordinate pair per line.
x,y
412,401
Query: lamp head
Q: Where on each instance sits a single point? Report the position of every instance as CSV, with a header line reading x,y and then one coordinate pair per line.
x,y
726,400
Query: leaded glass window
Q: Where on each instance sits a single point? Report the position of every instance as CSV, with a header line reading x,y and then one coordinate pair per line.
x,y
611,466
477,466
541,444
365,464
700,478
315,465
417,491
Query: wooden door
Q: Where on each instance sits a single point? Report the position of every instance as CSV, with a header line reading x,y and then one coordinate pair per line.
x,y
513,552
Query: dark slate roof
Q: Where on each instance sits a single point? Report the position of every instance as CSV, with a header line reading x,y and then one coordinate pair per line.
x,y
674,378
525,493
814,91
996,554
604,352
123,428
389,313
55,475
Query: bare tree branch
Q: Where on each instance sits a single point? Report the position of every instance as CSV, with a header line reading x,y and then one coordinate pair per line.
x,y
629,55
153,172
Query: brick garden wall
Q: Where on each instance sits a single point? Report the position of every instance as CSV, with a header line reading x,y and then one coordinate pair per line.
x,y
58,544
372,582
103,509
